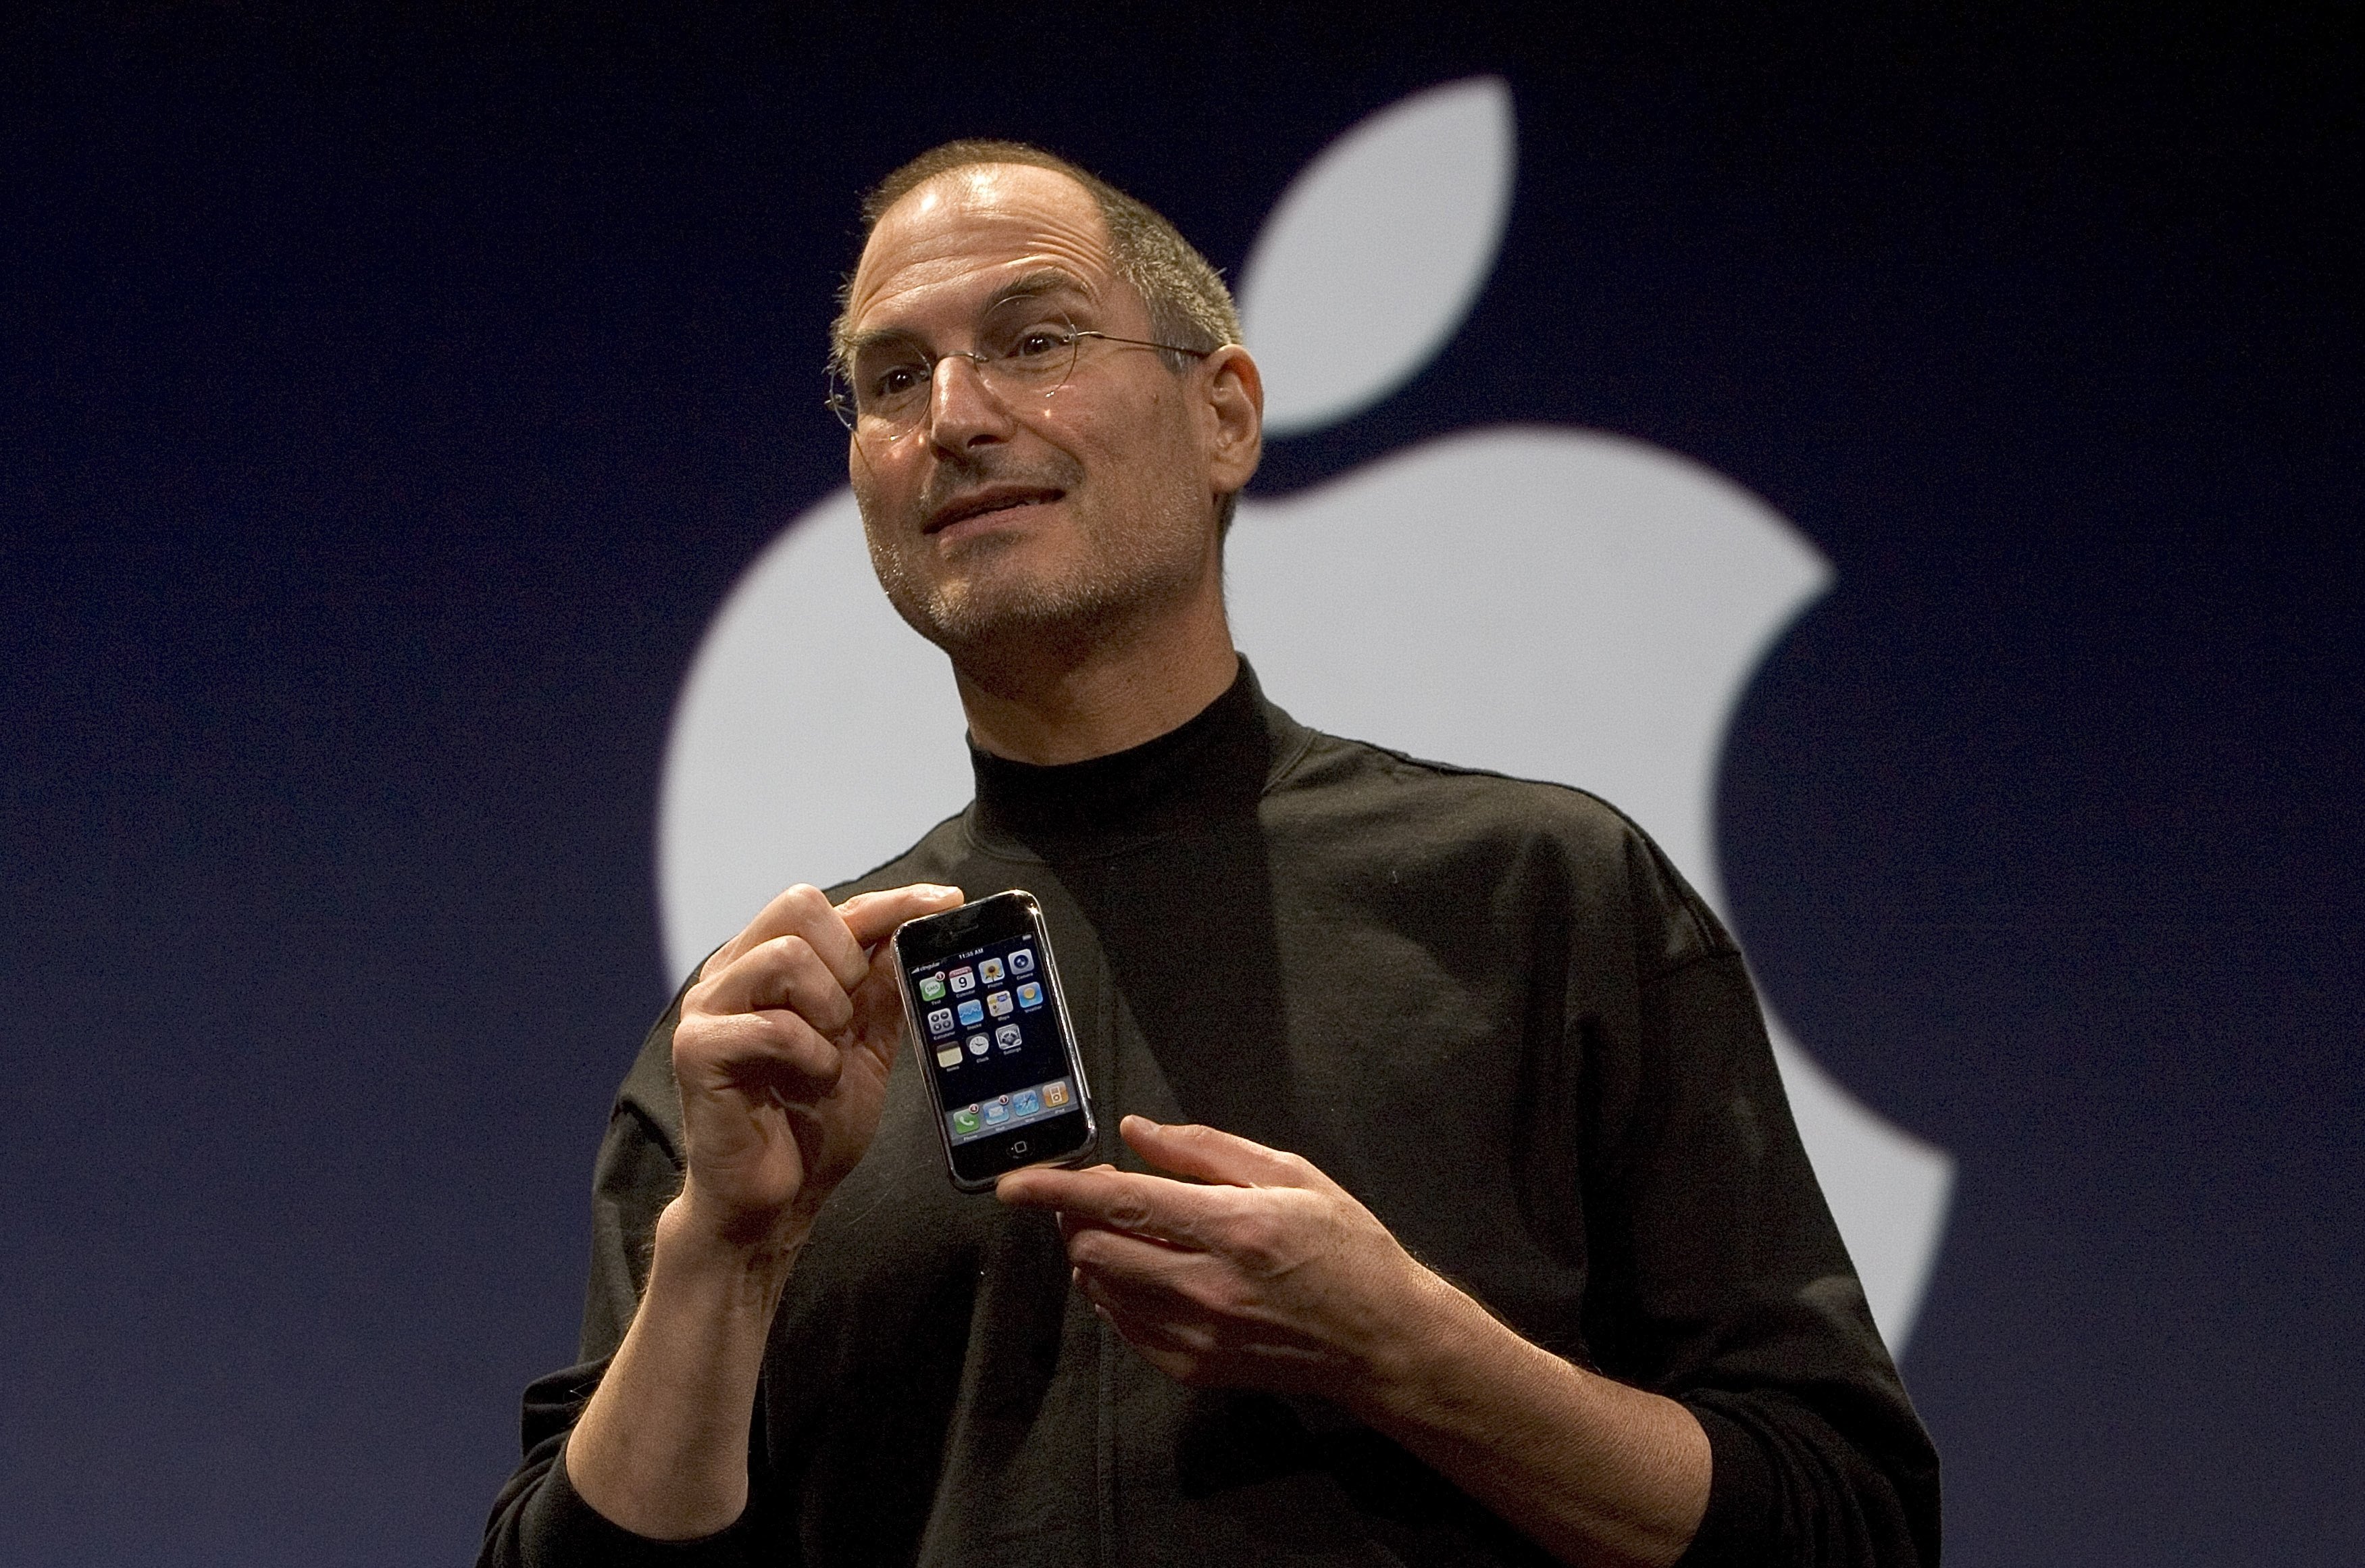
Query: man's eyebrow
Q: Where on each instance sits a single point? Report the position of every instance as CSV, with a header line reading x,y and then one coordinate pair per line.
x,y
1042,281
1040,284
875,337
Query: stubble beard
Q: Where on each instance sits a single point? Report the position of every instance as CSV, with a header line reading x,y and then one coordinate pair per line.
x,y
993,621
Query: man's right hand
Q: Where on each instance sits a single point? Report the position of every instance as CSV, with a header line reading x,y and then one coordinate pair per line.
x,y
782,1054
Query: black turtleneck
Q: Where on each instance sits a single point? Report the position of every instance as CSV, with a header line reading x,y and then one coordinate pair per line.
x,y
1216,764
1488,1008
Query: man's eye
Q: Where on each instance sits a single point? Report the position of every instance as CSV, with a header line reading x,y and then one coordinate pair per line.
x,y
1039,344
895,381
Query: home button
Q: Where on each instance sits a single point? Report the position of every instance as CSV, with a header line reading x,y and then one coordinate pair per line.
x,y
1018,1148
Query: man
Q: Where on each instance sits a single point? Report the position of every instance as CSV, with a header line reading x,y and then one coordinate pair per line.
x,y
1458,1216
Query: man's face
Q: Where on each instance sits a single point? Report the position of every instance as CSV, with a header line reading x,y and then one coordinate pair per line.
x,y
1001,515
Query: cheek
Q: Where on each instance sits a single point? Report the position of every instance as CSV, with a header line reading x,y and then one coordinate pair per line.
x,y
880,487
1142,453
861,477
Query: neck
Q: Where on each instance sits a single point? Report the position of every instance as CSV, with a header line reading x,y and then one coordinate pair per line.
x,y
1114,693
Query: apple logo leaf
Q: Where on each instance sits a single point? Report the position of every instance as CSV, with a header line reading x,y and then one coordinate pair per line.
x,y
1377,251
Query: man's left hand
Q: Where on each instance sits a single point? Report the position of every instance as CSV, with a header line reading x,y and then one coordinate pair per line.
x,y
1270,1276
1261,1272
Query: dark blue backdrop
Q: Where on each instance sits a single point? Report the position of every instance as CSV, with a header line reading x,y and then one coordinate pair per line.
x,y
388,403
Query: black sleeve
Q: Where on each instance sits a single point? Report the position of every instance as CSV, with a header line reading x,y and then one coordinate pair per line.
x,y
639,1171
539,1521
1721,1278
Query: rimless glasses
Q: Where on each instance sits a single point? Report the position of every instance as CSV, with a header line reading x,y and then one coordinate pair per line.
x,y
883,387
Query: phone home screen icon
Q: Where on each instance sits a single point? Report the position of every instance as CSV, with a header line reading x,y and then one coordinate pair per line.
x,y
965,1119
989,970
932,988
1022,962
940,1021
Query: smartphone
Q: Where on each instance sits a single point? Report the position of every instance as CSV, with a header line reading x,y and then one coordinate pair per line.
x,y
994,1040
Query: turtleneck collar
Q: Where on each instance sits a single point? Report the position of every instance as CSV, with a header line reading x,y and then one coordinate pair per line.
x,y
1215,764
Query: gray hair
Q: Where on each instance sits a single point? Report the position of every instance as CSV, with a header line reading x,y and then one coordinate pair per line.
x,y
1189,305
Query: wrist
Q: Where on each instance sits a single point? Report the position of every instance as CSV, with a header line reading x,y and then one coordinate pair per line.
x,y
1453,1366
1412,1362
724,1265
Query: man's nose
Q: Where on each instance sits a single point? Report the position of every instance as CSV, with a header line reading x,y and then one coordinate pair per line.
x,y
964,410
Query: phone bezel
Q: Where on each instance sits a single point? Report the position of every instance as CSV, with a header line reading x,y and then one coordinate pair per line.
x,y
1005,914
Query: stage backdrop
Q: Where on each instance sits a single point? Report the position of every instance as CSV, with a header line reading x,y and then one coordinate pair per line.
x,y
1910,467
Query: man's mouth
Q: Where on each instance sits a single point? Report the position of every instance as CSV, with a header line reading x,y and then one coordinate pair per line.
x,y
981,503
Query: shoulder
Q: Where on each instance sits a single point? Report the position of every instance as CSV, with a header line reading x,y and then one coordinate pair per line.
x,y
1443,805
1475,827
1385,776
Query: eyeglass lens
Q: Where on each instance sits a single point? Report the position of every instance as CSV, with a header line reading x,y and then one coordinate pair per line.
x,y
1019,353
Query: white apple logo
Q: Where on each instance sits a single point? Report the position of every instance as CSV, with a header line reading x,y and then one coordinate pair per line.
x,y
1551,602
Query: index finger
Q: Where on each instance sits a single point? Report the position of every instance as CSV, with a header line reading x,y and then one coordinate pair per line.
x,y
1155,1207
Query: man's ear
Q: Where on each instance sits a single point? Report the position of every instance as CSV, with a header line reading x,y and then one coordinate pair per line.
x,y
1235,417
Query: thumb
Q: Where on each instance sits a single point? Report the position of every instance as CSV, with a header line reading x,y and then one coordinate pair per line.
x,y
1213,1155
873,917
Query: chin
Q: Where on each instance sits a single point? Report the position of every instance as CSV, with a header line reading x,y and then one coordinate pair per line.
x,y
989,597
987,622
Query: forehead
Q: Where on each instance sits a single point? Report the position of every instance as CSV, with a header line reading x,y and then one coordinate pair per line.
x,y
946,247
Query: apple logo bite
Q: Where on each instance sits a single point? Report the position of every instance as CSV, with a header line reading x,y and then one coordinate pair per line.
x,y
1547,601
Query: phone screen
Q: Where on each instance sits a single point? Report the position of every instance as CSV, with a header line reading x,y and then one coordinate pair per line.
x,y
992,1029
